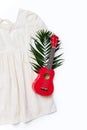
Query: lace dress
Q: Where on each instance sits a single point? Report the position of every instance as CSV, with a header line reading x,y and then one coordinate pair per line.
x,y
18,101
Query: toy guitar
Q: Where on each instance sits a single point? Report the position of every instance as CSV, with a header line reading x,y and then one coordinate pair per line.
x,y
43,84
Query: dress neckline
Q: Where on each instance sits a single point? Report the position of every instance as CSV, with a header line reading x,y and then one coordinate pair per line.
x,y
19,18
19,21
8,21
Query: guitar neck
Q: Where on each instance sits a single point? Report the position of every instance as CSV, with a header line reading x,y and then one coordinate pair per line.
x,y
50,62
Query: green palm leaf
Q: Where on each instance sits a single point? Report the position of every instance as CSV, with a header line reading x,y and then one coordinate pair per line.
x,y
41,51
54,66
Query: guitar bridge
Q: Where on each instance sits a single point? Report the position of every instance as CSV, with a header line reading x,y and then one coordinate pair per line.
x,y
44,88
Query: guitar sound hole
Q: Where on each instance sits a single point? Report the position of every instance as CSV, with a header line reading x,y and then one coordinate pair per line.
x,y
44,88
46,76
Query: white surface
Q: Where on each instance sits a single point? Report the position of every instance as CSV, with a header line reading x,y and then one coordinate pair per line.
x,y
68,19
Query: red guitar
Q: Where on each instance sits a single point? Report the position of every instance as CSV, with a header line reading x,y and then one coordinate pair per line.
x,y
43,84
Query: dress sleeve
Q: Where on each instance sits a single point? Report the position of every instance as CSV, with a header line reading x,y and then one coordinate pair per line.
x,y
34,23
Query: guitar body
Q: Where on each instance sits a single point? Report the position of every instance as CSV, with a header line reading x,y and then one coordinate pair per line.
x,y
43,84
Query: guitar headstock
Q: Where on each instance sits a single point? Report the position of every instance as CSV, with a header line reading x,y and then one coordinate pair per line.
x,y
54,40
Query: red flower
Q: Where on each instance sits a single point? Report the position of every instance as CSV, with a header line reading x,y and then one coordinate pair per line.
x,y
54,40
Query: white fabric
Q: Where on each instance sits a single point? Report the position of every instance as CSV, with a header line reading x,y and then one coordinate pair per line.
x,y
18,102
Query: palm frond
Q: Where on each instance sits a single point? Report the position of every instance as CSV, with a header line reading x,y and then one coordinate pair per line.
x,y
41,51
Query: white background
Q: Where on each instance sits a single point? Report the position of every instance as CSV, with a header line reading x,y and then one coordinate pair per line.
x,y
68,19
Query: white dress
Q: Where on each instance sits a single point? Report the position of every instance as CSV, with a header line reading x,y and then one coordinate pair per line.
x,y
18,101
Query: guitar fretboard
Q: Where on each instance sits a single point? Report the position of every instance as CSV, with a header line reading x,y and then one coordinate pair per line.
x,y
51,57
